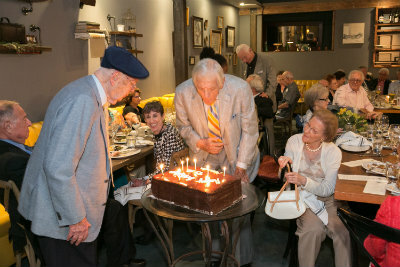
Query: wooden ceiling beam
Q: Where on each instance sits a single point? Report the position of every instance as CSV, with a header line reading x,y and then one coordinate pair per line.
x,y
307,6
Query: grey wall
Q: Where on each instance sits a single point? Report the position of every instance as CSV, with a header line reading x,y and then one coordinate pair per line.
x,y
209,10
33,80
314,65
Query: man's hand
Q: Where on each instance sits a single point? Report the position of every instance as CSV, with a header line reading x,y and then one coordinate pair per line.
x,y
263,94
283,105
78,232
211,145
241,173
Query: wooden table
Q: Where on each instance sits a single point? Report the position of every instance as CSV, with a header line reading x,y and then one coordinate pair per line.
x,y
388,111
145,155
353,190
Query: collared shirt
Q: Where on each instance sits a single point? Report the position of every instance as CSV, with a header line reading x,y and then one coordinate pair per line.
x,y
100,89
27,149
345,96
251,66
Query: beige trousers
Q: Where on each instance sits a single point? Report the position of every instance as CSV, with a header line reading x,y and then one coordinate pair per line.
x,y
311,232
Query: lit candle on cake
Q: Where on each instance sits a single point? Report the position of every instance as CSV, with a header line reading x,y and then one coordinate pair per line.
x,y
182,166
208,170
187,164
195,160
224,170
387,98
162,169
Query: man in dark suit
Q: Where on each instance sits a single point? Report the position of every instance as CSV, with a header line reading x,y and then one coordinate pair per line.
x,y
13,159
381,83
66,184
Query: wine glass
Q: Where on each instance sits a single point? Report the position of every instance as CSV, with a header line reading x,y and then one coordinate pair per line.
x,y
385,123
394,136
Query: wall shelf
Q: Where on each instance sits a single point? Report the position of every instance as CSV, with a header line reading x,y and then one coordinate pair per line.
x,y
124,39
23,49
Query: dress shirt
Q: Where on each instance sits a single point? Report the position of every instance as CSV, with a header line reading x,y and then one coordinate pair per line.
x,y
345,96
100,89
27,149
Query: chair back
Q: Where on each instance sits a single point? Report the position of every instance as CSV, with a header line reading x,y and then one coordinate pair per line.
x,y
7,187
357,224
177,156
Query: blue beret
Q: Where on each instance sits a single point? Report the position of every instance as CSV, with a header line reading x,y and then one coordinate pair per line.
x,y
120,59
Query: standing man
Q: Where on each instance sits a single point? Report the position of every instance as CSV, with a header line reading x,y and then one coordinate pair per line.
x,y
66,182
215,114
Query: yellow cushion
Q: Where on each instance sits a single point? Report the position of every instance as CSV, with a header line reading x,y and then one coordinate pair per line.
x,y
6,251
145,101
34,131
119,109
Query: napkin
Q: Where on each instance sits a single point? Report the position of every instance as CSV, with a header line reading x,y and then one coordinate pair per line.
x,y
143,142
375,187
360,177
356,163
127,192
352,139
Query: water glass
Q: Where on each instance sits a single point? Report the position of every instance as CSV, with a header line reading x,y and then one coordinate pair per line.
x,y
377,145
130,141
392,172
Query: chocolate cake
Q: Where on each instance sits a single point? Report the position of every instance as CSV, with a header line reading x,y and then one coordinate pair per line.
x,y
202,190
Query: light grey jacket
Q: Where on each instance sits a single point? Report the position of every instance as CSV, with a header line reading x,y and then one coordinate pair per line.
x,y
237,118
67,175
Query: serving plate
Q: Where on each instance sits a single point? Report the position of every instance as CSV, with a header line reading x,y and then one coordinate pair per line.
x,y
125,153
393,189
375,167
354,148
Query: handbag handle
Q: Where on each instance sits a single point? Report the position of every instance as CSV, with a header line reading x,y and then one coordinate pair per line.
x,y
283,188
5,18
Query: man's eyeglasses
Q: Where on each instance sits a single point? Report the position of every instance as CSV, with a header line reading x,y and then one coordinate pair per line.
x,y
355,81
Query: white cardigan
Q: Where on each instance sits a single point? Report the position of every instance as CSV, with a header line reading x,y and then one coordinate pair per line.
x,y
331,158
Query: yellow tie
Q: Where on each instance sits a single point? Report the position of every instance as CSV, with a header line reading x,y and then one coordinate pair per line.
x,y
213,123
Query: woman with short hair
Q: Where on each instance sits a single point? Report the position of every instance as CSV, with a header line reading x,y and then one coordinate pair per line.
x,y
315,163
332,86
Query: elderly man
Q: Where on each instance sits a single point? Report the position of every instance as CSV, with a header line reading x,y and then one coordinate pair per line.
x,y
394,87
350,95
215,114
291,95
260,64
14,156
264,108
381,84
66,183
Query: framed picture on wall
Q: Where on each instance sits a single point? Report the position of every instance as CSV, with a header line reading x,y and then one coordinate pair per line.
x,y
220,22
197,32
230,36
216,40
353,33
192,60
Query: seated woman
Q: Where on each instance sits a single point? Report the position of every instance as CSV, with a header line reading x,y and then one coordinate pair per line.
x,y
132,112
386,254
280,87
332,86
167,137
316,98
316,161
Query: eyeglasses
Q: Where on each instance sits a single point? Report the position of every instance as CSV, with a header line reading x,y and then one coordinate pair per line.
x,y
355,81
324,99
308,127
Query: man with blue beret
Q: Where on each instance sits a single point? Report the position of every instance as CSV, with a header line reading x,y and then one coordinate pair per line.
x,y
67,179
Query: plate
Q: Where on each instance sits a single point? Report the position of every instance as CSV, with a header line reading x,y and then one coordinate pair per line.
x,y
122,141
396,107
126,153
375,167
354,148
383,107
393,188
118,147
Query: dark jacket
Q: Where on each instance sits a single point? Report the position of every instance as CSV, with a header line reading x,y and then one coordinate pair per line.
x,y
264,107
374,82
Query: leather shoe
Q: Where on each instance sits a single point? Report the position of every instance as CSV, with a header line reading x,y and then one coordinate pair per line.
x,y
136,263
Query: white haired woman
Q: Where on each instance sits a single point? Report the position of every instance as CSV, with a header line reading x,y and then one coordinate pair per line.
x,y
315,162
381,84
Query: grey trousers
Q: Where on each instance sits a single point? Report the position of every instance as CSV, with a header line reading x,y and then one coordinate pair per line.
x,y
311,232
244,247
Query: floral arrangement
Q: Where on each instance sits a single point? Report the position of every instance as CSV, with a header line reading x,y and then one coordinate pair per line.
x,y
347,117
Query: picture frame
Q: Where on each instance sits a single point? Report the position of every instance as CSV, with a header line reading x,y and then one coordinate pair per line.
x,y
192,60
230,36
384,56
216,40
385,41
220,22
197,24
353,33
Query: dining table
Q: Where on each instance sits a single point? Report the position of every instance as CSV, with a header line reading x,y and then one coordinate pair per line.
x,y
350,190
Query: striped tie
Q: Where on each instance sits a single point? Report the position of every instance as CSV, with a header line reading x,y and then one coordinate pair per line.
x,y
213,123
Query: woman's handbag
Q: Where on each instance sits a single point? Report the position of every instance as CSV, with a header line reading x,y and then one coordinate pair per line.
x,y
289,206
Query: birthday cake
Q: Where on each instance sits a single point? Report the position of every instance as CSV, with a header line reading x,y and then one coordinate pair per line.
x,y
200,189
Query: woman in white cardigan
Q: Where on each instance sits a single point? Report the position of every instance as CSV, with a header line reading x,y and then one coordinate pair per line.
x,y
316,161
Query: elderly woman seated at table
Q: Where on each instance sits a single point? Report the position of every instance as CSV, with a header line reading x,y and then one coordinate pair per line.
x,y
316,98
316,161
167,138
353,95
381,84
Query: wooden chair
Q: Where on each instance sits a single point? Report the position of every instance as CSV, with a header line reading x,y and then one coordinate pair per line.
x,y
286,123
11,186
358,226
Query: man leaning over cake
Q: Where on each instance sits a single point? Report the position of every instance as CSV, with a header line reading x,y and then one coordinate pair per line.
x,y
215,114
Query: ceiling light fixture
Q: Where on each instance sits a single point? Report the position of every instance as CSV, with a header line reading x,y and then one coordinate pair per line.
x,y
241,4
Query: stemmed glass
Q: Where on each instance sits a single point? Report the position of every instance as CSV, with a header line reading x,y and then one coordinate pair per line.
x,y
112,131
394,136
384,123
